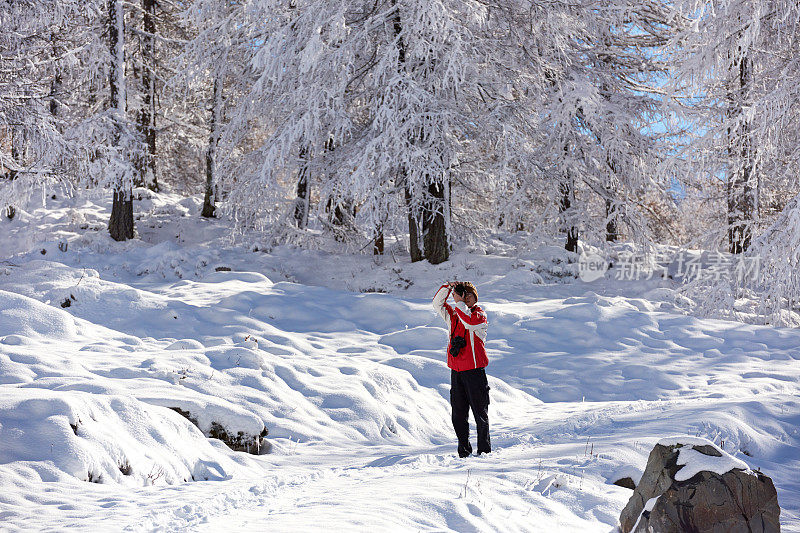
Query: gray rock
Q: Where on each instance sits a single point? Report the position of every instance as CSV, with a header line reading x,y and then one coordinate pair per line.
x,y
737,500
658,476
626,483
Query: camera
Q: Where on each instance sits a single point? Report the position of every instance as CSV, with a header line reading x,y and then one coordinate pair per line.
x,y
456,344
458,288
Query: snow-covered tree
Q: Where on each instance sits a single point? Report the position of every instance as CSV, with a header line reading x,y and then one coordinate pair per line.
x,y
215,64
737,75
599,112
38,53
379,105
737,71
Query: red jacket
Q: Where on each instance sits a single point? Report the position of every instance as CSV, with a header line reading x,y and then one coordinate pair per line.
x,y
465,322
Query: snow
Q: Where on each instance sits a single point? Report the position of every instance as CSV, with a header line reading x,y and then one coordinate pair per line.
x,y
695,462
341,359
64,435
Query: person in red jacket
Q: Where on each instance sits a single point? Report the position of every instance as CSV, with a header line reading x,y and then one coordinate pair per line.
x,y
466,358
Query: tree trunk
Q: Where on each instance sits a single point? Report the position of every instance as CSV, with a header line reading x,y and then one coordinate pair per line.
x,y
413,228
434,209
16,152
567,197
612,222
55,88
209,199
56,82
120,225
10,173
434,224
147,116
742,188
612,228
378,246
567,192
302,199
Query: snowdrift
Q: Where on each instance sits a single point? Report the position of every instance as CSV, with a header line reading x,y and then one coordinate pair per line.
x,y
103,439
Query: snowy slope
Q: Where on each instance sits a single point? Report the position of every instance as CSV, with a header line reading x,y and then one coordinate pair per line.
x,y
340,358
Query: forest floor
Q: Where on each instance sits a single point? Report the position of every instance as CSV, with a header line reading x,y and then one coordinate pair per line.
x,y
341,358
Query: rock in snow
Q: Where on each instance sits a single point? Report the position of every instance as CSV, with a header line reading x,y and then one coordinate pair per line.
x,y
690,484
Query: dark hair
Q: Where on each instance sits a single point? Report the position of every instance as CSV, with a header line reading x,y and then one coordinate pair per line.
x,y
463,287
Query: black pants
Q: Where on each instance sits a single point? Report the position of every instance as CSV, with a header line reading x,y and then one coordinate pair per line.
x,y
470,390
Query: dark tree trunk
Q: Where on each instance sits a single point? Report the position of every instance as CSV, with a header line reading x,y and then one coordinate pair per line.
x,y
147,116
16,153
56,83
11,174
567,193
209,199
120,225
612,221
434,224
742,186
413,228
55,89
378,247
564,206
91,99
612,228
398,28
302,199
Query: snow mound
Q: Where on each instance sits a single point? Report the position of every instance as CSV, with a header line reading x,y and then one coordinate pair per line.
x,y
207,411
87,296
103,439
21,316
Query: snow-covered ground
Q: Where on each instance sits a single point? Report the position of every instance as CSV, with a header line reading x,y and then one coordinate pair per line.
x,y
341,359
